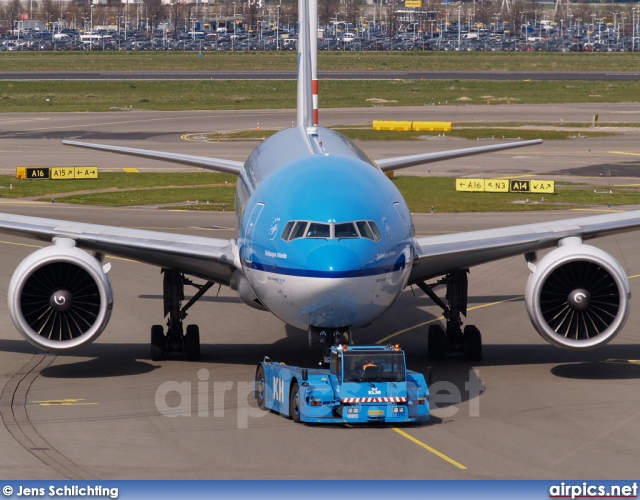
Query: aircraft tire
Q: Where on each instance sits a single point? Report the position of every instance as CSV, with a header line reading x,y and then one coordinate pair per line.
x,y
472,343
157,343
192,343
437,343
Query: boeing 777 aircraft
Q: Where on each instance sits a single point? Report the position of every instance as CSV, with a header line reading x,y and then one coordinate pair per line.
x,y
325,242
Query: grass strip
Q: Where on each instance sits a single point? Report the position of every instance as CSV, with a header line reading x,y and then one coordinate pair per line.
x,y
421,193
334,61
172,95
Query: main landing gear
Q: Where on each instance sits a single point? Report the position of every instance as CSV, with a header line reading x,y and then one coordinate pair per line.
x,y
176,341
453,340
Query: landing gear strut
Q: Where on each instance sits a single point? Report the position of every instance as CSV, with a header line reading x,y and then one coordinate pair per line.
x,y
453,340
328,337
175,341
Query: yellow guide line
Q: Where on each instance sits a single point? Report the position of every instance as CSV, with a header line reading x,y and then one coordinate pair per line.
x,y
63,402
440,318
624,153
429,448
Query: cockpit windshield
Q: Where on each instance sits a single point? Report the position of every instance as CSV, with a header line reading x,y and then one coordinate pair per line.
x,y
376,366
307,229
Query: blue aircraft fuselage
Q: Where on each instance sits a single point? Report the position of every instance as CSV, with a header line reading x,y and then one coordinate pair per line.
x,y
325,239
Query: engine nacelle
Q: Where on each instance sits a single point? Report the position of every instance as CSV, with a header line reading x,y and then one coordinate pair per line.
x,y
60,297
577,296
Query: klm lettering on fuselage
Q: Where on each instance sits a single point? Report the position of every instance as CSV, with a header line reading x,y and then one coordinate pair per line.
x,y
278,389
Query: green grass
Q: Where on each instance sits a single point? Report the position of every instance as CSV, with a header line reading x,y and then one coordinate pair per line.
x,y
368,134
334,61
210,198
182,190
171,95
422,193
112,181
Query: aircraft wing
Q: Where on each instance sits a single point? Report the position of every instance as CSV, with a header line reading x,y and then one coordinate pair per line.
x,y
207,258
438,255
399,162
217,164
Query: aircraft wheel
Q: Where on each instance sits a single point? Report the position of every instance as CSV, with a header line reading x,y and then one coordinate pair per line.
x,y
472,343
294,403
192,343
157,343
437,343
260,388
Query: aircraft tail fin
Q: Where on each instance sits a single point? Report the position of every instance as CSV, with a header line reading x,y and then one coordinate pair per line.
x,y
307,63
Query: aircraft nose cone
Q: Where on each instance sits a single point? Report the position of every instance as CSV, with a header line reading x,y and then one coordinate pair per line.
x,y
330,275
332,285
331,261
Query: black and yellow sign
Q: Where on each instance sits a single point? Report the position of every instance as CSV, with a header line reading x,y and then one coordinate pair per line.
x,y
505,186
519,186
86,172
543,186
62,173
37,173
473,185
496,186
57,173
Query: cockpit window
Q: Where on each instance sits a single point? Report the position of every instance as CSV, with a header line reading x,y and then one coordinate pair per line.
x,y
317,230
365,230
305,229
376,231
298,230
346,230
287,230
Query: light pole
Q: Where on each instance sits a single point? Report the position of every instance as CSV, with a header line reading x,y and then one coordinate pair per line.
x,y
278,29
91,37
633,29
459,28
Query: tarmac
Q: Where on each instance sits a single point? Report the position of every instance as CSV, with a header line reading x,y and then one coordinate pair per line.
x,y
528,410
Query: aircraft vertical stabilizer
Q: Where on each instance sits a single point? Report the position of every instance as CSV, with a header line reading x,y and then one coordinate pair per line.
x,y
305,99
313,38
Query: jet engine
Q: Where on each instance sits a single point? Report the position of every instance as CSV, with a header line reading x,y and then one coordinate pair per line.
x,y
60,297
577,296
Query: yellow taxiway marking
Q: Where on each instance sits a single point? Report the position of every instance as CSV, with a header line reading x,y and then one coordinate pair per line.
x,y
624,361
597,210
131,170
440,318
626,153
429,448
63,402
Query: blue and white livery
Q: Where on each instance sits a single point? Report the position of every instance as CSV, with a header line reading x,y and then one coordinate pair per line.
x,y
325,242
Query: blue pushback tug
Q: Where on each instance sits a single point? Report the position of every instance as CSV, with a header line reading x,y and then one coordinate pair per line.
x,y
363,384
